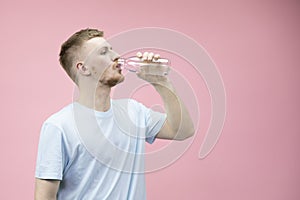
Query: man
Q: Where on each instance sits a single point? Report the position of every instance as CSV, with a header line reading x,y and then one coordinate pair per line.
x,y
93,148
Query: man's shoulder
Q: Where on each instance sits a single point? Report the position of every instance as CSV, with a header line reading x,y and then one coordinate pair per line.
x,y
60,116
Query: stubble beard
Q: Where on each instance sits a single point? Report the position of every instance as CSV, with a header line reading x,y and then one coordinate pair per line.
x,y
111,82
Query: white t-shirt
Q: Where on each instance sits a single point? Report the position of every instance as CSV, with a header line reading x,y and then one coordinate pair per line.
x,y
98,155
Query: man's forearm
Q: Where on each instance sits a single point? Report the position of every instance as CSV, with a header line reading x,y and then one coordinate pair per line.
x,y
178,116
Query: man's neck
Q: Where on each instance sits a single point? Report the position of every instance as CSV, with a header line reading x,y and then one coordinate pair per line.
x,y
98,99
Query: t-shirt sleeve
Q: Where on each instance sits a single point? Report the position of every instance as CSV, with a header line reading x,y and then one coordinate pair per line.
x,y
51,158
154,121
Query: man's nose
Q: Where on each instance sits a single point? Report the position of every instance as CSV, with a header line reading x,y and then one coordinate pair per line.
x,y
115,56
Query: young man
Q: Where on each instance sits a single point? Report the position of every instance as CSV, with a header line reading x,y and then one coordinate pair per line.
x,y
93,148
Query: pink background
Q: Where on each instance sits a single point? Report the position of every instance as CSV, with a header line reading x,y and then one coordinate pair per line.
x,y
255,45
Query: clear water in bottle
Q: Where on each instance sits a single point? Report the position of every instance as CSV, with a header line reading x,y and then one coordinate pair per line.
x,y
155,67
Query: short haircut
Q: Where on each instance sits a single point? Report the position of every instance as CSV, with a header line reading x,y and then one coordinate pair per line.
x,y
69,49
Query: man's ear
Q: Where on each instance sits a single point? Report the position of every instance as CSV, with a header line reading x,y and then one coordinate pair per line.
x,y
82,69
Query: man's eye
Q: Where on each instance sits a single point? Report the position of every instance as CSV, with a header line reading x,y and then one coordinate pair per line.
x,y
103,51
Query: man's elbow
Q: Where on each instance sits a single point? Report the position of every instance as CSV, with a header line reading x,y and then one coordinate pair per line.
x,y
189,134
185,134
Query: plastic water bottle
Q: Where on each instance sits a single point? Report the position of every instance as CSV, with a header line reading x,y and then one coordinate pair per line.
x,y
154,67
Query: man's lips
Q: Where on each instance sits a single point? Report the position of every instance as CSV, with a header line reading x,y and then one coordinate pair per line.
x,y
117,66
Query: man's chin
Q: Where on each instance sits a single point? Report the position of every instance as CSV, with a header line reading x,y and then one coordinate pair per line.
x,y
116,81
121,80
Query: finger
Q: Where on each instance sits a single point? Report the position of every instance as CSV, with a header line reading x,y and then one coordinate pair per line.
x,y
150,56
145,56
139,54
156,56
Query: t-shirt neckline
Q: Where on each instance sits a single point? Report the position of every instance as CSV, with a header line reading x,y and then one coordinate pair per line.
x,y
101,114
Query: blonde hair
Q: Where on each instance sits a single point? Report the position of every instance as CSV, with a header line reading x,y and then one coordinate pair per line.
x,y
69,49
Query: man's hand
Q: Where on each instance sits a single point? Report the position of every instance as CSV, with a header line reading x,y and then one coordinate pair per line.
x,y
152,71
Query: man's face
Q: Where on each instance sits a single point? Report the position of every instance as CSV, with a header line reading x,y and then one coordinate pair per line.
x,y
100,60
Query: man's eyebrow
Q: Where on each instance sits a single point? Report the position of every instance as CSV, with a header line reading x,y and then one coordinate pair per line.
x,y
106,46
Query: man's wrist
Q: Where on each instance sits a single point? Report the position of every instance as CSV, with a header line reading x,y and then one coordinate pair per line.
x,y
162,85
